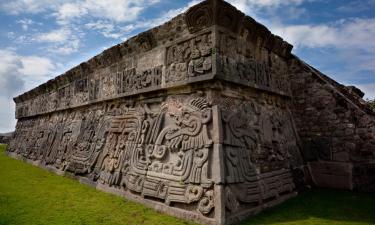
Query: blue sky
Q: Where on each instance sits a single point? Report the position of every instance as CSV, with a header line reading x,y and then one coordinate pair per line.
x,y
40,39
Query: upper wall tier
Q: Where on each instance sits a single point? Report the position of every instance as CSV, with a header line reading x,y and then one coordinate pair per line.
x,y
193,47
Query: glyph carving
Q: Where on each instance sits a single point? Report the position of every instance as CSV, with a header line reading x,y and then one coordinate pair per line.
x,y
199,17
129,81
189,59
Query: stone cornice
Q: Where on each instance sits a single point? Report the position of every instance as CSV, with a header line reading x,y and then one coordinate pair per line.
x,y
197,18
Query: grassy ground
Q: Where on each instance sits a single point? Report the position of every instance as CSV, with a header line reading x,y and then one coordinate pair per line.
x,y
29,195
320,207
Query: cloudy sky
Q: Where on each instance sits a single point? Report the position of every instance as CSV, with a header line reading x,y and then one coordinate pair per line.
x,y
40,39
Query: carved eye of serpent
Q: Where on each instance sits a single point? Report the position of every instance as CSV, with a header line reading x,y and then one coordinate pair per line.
x,y
160,152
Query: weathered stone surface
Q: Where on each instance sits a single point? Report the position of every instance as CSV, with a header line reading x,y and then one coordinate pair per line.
x,y
332,174
326,110
5,138
208,117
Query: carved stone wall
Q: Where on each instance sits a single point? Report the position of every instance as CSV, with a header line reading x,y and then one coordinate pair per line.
x,y
337,128
160,149
260,152
188,151
200,118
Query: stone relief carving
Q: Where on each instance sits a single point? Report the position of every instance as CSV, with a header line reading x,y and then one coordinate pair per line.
x,y
189,59
94,88
199,17
157,151
162,154
209,13
81,86
162,151
101,123
92,131
64,94
109,83
238,62
258,146
258,134
265,188
129,81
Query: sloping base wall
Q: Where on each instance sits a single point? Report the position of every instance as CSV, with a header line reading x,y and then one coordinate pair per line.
x,y
337,129
203,154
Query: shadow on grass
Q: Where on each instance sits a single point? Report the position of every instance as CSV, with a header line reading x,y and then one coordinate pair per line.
x,y
321,206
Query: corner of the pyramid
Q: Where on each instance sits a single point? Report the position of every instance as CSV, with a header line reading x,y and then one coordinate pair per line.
x,y
223,14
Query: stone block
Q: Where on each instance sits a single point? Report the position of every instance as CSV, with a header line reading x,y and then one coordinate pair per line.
x,y
332,174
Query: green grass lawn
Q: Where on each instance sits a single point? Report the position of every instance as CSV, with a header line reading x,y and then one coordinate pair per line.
x,y
30,195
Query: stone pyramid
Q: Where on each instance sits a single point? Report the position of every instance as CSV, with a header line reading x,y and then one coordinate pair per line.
x,y
208,117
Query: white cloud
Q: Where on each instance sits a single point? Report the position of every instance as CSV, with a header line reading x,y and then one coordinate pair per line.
x,y
69,11
307,35
354,33
165,16
59,35
66,10
245,5
67,48
357,6
106,28
62,41
251,7
7,116
352,40
118,11
271,3
10,81
28,6
115,10
25,23
36,66
110,29
19,73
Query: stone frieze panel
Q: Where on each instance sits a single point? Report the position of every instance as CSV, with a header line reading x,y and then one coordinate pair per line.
x,y
248,64
189,59
260,151
161,151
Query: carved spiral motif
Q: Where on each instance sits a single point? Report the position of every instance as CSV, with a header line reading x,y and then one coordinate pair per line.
x,y
193,193
199,17
159,152
206,204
